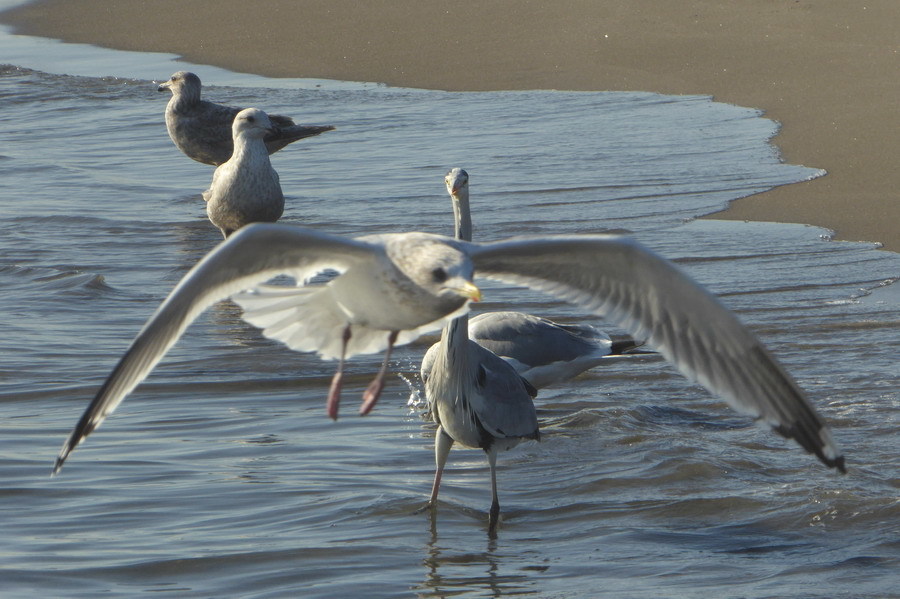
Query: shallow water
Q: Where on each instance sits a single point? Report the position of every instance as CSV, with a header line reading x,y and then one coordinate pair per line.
x,y
221,475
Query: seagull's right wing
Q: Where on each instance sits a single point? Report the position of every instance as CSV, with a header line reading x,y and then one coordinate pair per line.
x,y
651,298
253,254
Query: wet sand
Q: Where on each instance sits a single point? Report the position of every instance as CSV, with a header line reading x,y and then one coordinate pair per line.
x,y
827,70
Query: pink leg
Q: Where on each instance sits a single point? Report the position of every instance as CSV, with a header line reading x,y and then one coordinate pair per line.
x,y
373,392
442,444
334,392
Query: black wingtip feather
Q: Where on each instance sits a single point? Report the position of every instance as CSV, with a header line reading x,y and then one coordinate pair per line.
x,y
812,444
839,464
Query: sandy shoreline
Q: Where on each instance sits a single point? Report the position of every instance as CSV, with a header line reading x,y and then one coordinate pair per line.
x,y
826,69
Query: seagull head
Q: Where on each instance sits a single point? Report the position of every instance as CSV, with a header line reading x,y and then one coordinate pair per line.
x,y
182,84
460,288
446,272
435,274
252,123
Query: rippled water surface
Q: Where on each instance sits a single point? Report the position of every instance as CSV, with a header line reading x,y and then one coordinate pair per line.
x,y
221,475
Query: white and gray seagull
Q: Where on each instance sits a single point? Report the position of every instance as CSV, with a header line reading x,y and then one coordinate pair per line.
x,y
393,288
542,351
476,398
245,189
202,129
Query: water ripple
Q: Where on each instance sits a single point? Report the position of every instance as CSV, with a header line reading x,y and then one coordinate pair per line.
x,y
222,476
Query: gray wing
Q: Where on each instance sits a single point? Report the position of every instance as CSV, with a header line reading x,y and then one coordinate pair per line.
x,y
535,341
254,254
219,116
280,121
542,351
203,133
286,131
284,135
503,403
652,299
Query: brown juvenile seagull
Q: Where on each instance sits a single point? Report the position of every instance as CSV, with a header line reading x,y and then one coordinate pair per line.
x,y
245,189
202,129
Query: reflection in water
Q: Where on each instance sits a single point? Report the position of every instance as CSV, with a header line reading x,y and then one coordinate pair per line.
x,y
449,573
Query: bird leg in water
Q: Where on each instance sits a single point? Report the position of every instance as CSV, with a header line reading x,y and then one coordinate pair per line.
x,y
334,392
442,444
494,515
373,392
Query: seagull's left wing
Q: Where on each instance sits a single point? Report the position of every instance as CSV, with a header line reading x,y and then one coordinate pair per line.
x,y
254,254
651,298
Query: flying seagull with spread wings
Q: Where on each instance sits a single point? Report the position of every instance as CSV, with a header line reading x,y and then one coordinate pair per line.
x,y
394,287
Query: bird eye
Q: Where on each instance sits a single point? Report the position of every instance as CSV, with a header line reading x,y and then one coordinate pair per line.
x,y
251,119
439,275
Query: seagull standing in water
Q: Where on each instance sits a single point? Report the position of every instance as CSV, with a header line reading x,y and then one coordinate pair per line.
x,y
543,352
476,398
202,129
393,288
245,189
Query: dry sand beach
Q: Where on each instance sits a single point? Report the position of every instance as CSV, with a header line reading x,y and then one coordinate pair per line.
x,y
826,69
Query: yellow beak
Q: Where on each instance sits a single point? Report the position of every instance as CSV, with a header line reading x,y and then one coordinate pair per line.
x,y
470,291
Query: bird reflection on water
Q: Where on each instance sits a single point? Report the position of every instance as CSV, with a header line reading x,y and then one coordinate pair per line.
x,y
449,572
